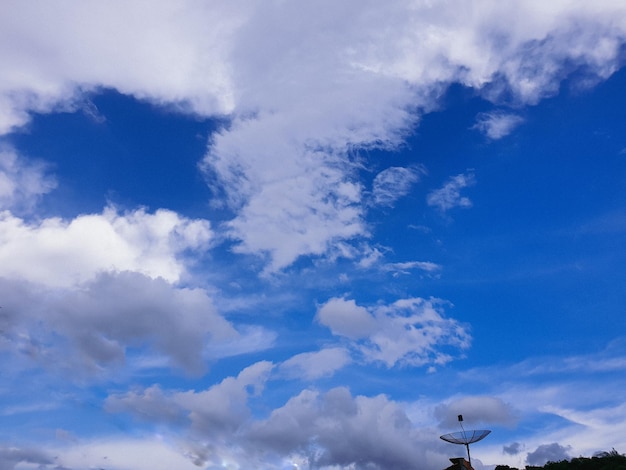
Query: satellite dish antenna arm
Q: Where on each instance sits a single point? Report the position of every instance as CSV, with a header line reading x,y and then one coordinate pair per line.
x,y
469,459
465,438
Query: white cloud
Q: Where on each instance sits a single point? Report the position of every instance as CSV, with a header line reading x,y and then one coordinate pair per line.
x,y
337,430
346,318
407,266
497,124
250,339
589,429
305,213
314,365
449,195
22,182
557,394
324,430
60,253
476,410
88,330
409,331
10,457
303,83
163,52
219,410
369,256
355,93
584,430
215,58
392,183
151,452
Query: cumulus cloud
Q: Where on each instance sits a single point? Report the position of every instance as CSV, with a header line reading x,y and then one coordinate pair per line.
x,y
363,94
323,429
93,326
306,213
497,124
476,409
153,452
317,429
335,429
346,318
219,410
449,195
11,457
512,449
213,58
63,253
392,183
150,51
408,331
548,453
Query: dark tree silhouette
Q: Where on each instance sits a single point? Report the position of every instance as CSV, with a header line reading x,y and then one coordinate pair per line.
x,y
611,460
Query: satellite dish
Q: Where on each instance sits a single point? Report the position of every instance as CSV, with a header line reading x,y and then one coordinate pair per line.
x,y
465,437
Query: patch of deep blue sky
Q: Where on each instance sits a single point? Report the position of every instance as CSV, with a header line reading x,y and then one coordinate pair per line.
x,y
534,266
120,150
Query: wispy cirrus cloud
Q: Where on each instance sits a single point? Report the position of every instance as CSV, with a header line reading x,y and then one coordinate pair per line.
x,y
407,266
392,183
496,125
22,181
449,195
314,365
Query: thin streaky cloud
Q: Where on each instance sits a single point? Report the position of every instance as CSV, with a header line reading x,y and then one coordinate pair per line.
x,y
315,365
393,183
449,195
497,125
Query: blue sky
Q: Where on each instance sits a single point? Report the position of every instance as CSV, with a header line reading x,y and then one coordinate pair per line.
x,y
308,235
